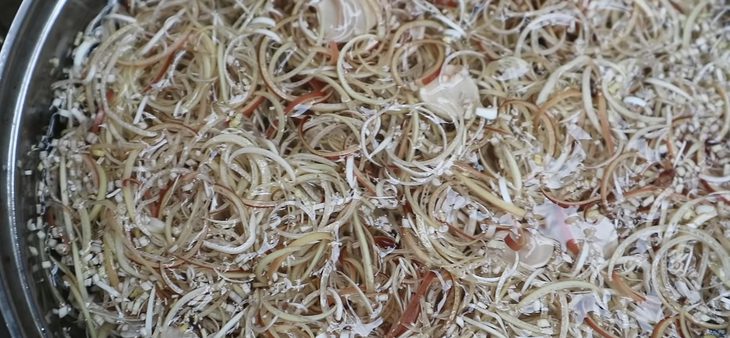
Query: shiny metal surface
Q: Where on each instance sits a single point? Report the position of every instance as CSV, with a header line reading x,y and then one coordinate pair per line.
x,y
42,30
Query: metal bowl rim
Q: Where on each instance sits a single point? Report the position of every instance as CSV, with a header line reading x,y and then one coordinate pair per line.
x,y
8,217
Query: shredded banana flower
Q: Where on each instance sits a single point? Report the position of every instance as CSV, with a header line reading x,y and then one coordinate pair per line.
x,y
404,168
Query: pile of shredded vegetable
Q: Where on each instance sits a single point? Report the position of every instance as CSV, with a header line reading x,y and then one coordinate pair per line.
x,y
393,168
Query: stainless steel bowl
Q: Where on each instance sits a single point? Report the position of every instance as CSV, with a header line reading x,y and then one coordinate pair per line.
x,y
42,31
